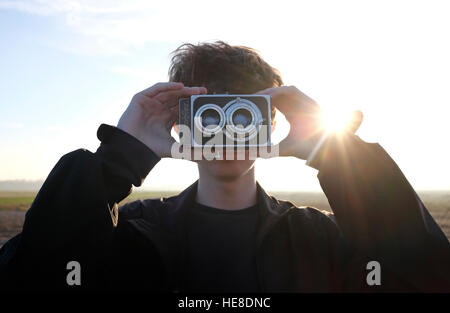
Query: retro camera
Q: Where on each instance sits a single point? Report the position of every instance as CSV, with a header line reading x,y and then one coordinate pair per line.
x,y
225,120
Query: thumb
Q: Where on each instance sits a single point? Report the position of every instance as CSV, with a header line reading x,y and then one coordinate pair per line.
x,y
355,122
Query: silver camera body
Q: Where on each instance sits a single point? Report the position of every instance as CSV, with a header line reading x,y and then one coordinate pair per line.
x,y
223,120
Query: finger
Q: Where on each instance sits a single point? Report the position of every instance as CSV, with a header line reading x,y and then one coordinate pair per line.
x,y
159,87
185,91
298,111
202,90
289,98
355,122
274,93
148,103
267,91
171,97
290,91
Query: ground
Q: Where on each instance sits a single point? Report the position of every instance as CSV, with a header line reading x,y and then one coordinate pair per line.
x,y
13,206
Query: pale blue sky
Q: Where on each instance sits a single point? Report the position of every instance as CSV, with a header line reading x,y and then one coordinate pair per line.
x,y
66,66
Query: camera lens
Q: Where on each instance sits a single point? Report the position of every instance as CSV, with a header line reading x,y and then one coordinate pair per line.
x,y
242,118
210,118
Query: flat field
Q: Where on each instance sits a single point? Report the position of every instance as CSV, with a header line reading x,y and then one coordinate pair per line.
x,y
13,206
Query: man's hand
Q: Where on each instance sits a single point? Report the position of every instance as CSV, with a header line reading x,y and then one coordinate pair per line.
x,y
152,113
305,119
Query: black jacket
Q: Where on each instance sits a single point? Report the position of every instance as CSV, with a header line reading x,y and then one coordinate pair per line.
x,y
377,217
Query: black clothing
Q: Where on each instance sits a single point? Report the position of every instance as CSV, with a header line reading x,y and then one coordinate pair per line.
x,y
377,216
221,249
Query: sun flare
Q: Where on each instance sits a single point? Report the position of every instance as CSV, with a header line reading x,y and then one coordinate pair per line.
x,y
335,119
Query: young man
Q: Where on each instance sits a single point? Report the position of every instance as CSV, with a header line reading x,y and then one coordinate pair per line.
x,y
225,233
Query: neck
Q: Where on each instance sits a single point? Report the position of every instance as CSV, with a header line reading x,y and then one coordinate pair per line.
x,y
229,194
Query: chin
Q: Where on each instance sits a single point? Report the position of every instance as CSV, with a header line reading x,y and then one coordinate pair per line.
x,y
226,169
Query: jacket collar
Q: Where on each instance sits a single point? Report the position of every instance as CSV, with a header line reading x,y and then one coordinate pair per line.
x,y
172,245
271,210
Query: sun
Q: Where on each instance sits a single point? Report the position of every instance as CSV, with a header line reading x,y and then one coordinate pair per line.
x,y
335,119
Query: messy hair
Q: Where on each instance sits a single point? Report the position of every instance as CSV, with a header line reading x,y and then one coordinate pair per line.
x,y
223,68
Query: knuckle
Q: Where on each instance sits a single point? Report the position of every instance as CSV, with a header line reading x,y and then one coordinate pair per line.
x,y
137,97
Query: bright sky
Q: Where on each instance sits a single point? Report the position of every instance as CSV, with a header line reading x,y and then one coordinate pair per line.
x,y
68,66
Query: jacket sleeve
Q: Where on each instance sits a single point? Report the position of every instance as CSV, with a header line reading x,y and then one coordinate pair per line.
x,y
75,214
381,217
